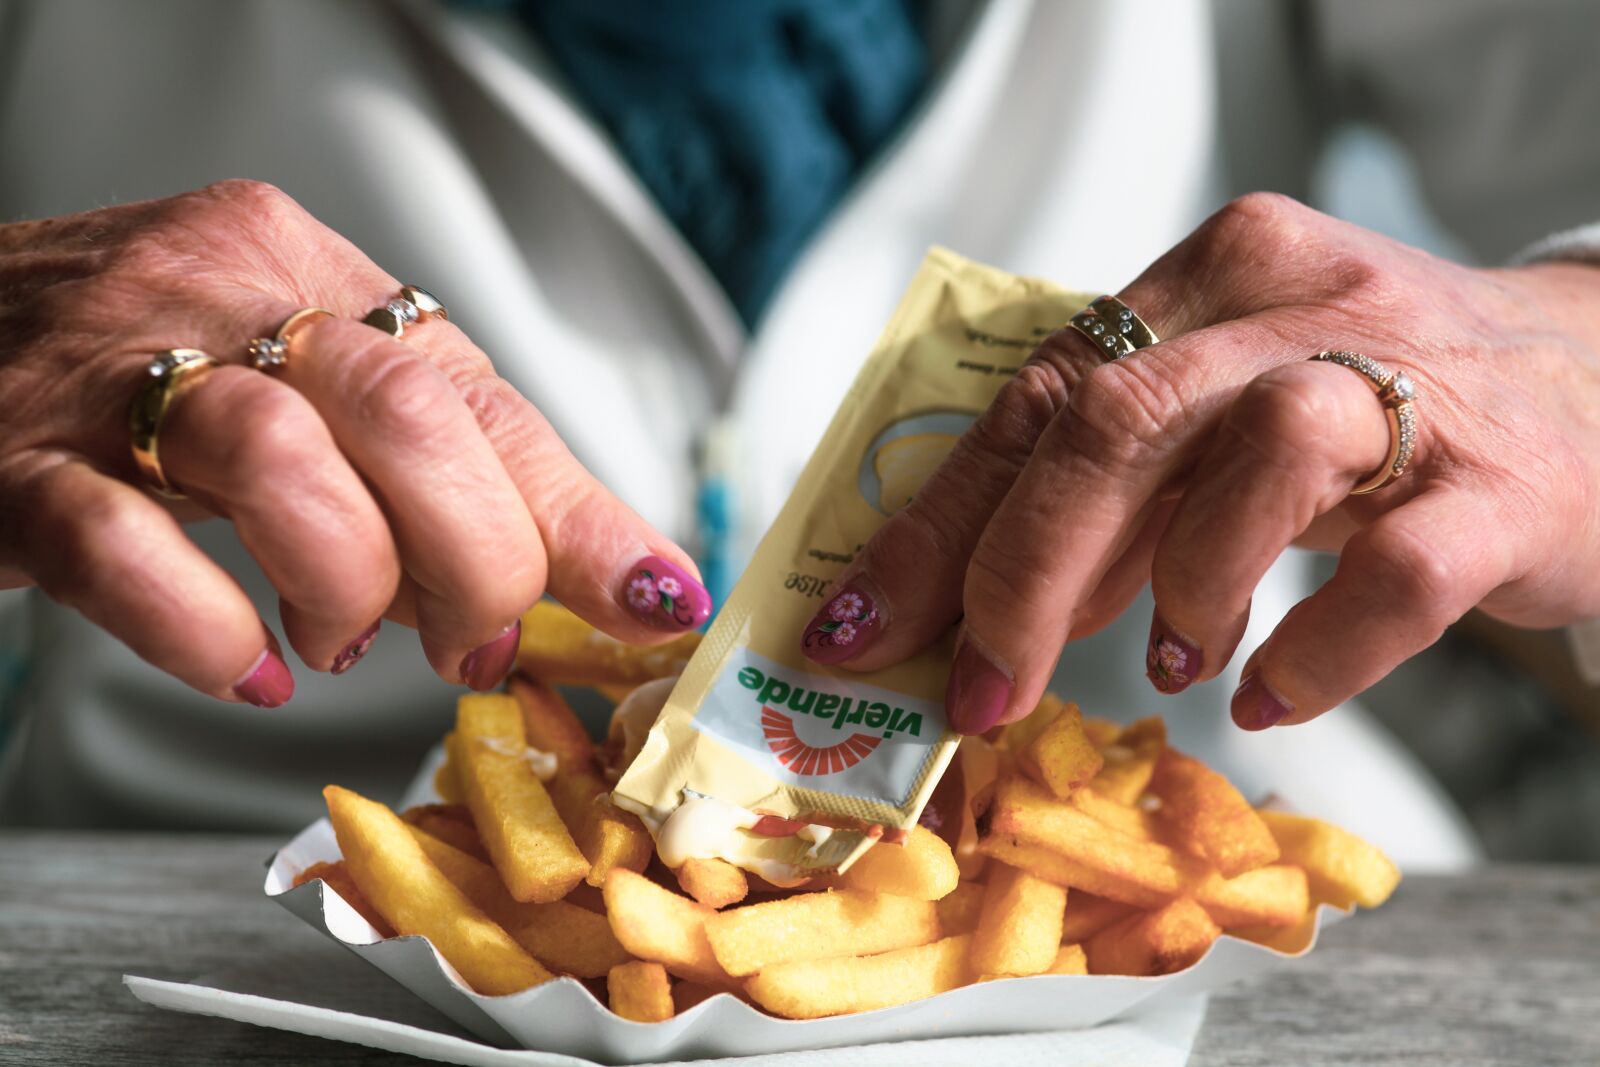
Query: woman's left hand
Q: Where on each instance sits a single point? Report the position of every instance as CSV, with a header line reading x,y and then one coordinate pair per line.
x,y
1195,462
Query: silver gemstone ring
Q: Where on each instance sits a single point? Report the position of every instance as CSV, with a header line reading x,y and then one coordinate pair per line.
x,y
272,353
1113,328
413,304
1398,393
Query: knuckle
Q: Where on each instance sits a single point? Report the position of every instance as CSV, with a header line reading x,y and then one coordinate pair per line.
x,y
397,390
499,409
1409,570
1009,427
266,429
1280,417
1259,220
251,198
1125,413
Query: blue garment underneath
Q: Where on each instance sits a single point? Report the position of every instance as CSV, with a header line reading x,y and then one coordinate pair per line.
x,y
747,119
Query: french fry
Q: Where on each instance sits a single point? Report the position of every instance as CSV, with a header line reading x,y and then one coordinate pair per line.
x,y
562,649
405,887
1061,757
1019,927
1158,942
451,823
1054,867
561,935
1017,736
1103,732
640,991
811,989
1070,959
1341,867
1131,761
657,924
922,867
810,926
713,882
550,724
1206,816
337,878
1088,914
446,782
1274,895
958,911
1131,820
519,825
980,764
1290,940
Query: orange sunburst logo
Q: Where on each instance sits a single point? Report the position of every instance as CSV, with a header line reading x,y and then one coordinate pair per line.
x,y
801,758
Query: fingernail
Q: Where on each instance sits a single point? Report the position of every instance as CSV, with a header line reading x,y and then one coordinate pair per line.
x,y
661,594
268,683
978,693
1256,707
487,666
848,623
356,649
1171,661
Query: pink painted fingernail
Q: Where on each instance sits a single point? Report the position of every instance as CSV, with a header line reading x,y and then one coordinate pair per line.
x,y
1256,707
1171,661
661,594
979,690
355,649
848,623
268,683
487,666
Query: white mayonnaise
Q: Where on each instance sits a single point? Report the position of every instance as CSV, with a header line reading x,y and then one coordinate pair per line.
x,y
542,764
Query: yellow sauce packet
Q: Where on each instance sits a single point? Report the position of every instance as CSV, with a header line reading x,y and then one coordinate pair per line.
x,y
772,762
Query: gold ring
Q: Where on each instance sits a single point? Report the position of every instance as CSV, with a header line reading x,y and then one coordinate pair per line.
x,y
413,304
267,353
1113,328
1398,393
169,374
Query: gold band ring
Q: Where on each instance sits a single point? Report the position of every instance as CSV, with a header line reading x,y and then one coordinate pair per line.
x,y
268,353
169,374
1398,394
1113,328
413,304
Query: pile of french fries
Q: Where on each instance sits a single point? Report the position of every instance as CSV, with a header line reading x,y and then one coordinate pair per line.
x,y
1058,845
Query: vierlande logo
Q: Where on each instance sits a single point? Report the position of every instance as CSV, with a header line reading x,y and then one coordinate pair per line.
x,y
773,693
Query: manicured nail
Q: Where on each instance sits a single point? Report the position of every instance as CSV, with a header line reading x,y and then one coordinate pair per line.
x,y
1256,707
979,690
487,666
848,623
356,649
661,594
1171,661
268,683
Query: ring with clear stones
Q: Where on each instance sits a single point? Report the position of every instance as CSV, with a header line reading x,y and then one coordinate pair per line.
x,y
167,375
1398,393
413,304
270,353
1113,328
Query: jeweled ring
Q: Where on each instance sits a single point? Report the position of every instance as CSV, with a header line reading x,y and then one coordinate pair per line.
x,y
413,304
268,353
1398,394
1113,328
168,374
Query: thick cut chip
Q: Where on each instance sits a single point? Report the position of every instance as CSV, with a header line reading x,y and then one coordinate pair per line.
x,y
1130,819
922,867
640,991
1290,940
1070,959
1017,736
550,725
1158,942
1019,928
980,765
1062,757
958,912
560,934
1274,895
812,989
1103,732
1131,761
519,825
451,823
337,878
561,649
1206,816
446,782
657,924
713,882
813,926
1054,867
1342,868
1088,914
394,873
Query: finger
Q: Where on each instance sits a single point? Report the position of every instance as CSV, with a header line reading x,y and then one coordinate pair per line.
x,y
258,453
106,549
463,532
1399,583
1290,448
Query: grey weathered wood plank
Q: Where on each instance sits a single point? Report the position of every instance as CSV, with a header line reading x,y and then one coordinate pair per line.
x,y
1502,967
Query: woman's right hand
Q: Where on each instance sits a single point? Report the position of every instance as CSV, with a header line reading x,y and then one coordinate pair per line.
x,y
369,477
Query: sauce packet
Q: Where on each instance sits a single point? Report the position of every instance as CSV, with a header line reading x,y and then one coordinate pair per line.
x,y
761,757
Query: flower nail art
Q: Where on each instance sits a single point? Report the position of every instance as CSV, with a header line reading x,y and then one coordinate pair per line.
x,y
1171,661
844,626
663,595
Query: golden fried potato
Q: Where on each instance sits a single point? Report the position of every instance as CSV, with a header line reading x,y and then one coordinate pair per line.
x,y
1205,816
1274,895
1342,868
1157,942
451,823
640,991
337,878
446,782
562,649
713,882
958,911
1019,926
1061,757
1088,914
810,926
657,924
1130,819
922,867
1070,959
1131,761
1017,736
811,989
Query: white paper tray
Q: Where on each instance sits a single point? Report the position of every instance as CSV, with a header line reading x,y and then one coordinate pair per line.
x,y
562,1016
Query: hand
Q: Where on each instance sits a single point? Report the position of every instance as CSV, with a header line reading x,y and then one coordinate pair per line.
x,y
370,477
1193,463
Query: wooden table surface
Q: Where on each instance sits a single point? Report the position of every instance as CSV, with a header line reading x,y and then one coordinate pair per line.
x,y
1502,967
